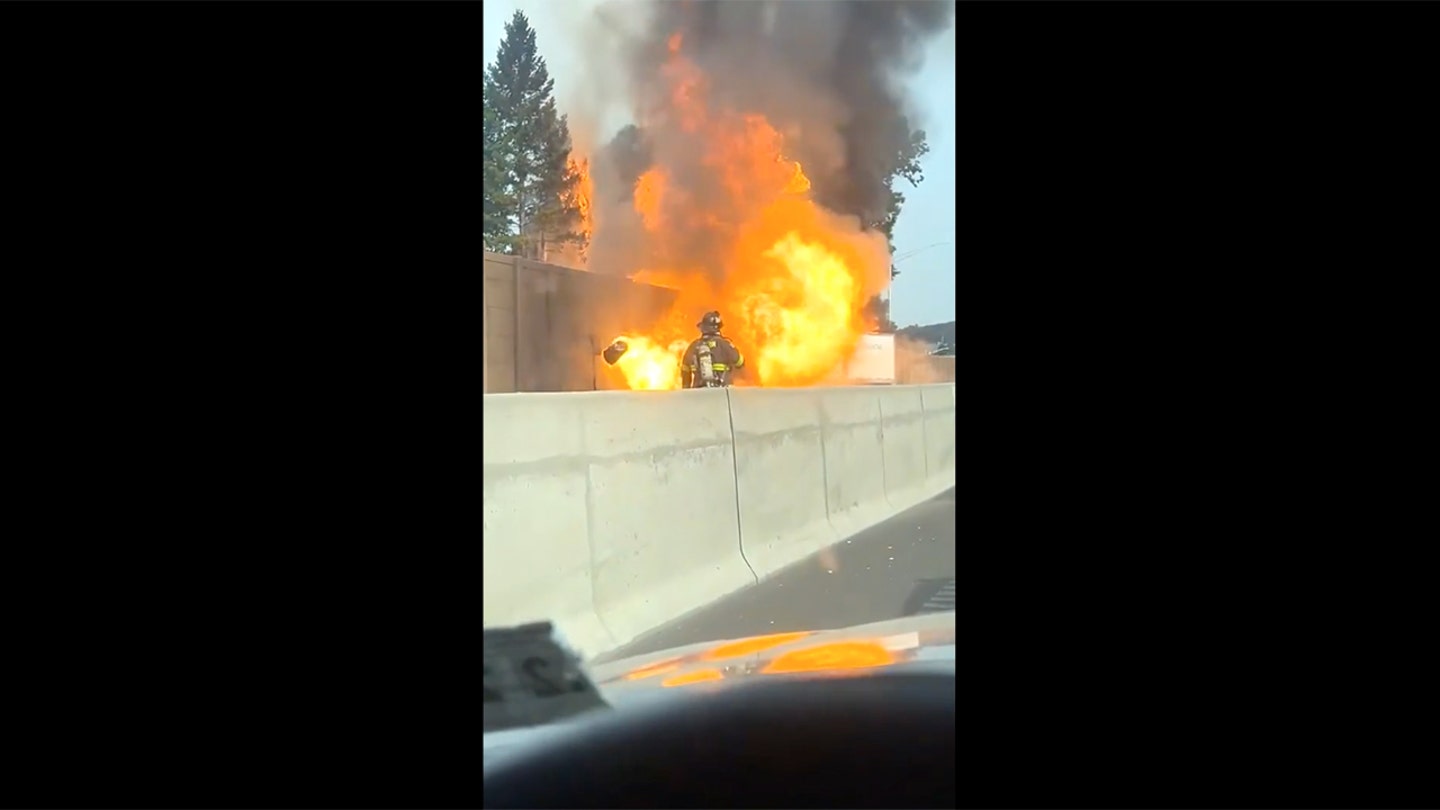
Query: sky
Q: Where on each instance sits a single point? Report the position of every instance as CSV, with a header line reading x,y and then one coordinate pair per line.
x,y
924,292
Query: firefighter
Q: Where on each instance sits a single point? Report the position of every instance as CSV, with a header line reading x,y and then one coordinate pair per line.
x,y
725,359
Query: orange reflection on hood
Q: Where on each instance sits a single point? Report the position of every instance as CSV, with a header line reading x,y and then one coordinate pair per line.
x,y
651,670
833,656
698,676
748,646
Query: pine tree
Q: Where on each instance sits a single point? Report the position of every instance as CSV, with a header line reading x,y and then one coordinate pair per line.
x,y
499,203
534,139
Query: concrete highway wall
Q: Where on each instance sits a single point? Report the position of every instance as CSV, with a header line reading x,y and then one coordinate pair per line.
x,y
611,513
545,325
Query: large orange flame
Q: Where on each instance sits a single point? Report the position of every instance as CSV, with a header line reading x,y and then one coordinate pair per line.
x,y
796,277
583,194
650,366
649,197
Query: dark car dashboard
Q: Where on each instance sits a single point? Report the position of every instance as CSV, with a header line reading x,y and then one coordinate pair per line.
x,y
876,741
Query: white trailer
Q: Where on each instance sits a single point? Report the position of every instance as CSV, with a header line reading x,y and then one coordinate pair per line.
x,y
873,362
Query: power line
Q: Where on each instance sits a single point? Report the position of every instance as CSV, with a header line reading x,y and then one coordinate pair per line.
x,y
912,253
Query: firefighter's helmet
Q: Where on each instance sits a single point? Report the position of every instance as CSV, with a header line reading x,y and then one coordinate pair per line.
x,y
710,323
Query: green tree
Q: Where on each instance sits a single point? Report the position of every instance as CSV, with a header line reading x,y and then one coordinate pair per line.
x,y
534,139
906,166
499,203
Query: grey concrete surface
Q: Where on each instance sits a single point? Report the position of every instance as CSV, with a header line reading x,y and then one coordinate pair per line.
x,y
887,571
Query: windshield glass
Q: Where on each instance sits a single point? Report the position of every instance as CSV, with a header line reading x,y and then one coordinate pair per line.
x,y
904,566
703,423
881,598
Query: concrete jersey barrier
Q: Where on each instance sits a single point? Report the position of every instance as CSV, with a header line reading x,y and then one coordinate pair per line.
x,y
608,512
902,438
612,513
664,536
780,475
535,539
816,465
938,402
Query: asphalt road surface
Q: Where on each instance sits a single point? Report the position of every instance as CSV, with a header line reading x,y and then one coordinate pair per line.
x,y
890,570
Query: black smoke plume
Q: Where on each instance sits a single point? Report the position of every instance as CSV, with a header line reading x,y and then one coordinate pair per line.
x,y
827,74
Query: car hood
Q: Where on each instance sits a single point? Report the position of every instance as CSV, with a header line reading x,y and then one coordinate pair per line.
x,y
915,643
862,650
